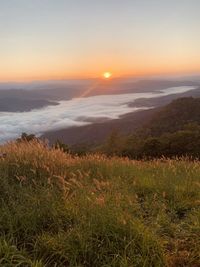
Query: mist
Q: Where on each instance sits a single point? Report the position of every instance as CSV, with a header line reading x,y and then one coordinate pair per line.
x,y
75,112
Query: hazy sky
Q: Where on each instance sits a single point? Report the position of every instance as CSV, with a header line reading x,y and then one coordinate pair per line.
x,y
42,39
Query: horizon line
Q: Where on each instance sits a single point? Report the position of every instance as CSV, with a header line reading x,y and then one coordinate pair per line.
x,y
128,76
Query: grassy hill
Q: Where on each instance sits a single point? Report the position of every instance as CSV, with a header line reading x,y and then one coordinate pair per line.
x,y
59,210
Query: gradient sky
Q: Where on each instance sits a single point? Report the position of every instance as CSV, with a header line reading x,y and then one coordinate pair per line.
x,y
47,39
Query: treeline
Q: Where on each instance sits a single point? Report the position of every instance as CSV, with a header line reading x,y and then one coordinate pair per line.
x,y
185,142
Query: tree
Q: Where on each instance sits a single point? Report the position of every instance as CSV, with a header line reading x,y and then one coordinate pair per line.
x,y
27,137
114,144
59,145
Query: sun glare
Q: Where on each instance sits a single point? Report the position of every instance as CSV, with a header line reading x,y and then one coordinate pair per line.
x,y
107,75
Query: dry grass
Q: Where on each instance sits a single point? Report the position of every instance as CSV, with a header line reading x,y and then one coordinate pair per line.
x,y
59,210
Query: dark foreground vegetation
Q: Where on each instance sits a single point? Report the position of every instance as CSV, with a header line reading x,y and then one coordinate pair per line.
x,y
184,142
60,210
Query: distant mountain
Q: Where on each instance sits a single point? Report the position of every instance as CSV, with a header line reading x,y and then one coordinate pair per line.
x,y
11,104
65,90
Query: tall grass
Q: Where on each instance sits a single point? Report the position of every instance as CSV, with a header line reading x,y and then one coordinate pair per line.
x,y
59,210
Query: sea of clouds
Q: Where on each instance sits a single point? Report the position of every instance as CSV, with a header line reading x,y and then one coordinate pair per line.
x,y
74,112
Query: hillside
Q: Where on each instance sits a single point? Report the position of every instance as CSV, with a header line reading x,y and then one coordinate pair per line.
x,y
172,131
11,104
174,116
59,210
98,131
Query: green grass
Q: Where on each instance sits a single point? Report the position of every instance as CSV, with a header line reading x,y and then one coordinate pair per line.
x,y
58,210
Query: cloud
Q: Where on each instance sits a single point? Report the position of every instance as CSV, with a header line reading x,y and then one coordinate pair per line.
x,y
71,113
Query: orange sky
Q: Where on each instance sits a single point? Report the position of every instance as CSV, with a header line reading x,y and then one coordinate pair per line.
x,y
82,39
28,74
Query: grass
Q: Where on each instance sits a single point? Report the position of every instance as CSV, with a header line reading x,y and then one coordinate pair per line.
x,y
59,210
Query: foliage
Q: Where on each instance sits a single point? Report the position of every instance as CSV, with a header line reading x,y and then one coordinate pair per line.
x,y
181,143
26,137
59,145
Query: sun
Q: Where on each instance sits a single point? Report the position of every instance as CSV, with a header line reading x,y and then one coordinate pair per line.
x,y
107,75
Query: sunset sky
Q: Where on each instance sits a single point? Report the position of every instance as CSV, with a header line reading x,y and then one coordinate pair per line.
x,y
53,39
